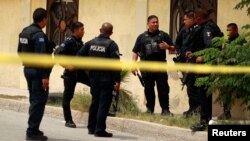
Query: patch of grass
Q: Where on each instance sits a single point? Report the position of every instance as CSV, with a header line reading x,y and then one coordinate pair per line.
x,y
80,101
126,104
12,97
176,120
127,108
55,99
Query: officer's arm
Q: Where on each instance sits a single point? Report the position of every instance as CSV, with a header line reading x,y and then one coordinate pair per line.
x,y
178,42
134,56
40,46
65,50
138,44
65,47
134,59
40,43
115,51
83,51
135,52
167,43
115,54
19,49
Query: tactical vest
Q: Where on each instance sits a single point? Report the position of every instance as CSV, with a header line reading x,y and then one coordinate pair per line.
x,y
26,44
99,48
151,45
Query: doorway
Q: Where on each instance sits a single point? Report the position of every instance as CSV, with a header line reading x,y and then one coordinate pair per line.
x,y
62,13
179,6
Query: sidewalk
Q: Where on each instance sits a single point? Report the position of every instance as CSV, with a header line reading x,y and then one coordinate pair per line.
x,y
13,91
141,128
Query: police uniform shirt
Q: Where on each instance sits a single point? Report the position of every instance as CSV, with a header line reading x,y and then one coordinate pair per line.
x,y
41,46
41,43
112,51
179,39
139,46
209,31
185,39
70,46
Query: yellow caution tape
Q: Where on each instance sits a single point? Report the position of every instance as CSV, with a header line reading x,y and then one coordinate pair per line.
x,y
112,64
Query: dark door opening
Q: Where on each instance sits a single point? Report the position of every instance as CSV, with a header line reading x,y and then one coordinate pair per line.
x,y
62,13
179,6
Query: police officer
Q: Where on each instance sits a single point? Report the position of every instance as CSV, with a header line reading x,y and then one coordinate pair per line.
x,y
151,46
71,76
183,44
33,40
233,35
208,30
102,82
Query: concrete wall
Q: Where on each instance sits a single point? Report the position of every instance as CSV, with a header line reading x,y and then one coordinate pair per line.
x,y
227,14
13,17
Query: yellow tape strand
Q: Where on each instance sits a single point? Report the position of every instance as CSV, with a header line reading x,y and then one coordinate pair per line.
x,y
111,64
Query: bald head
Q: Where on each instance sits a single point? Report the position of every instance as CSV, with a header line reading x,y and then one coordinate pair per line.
x,y
107,28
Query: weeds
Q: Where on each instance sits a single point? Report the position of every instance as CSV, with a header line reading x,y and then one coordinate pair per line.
x,y
127,108
12,97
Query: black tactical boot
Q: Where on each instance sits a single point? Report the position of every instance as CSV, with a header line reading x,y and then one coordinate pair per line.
x,y
70,124
166,112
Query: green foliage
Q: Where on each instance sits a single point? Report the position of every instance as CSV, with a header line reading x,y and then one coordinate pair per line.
x,y
244,4
229,86
126,103
234,53
124,75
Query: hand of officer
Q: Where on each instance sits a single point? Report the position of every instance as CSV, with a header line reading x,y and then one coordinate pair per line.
x,y
199,59
45,83
164,45
188,54
117,86
134,71
70,68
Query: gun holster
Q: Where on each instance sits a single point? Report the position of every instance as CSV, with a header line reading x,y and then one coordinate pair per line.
x,y
184,78
68,75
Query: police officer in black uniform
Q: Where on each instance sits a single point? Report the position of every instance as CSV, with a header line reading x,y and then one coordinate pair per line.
x,y
183,44
151,46
33,40
233,35
102,82
71,76
208,30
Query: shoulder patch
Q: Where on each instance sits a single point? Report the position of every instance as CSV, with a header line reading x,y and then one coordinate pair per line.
x,y
41,39
208,34
62,45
